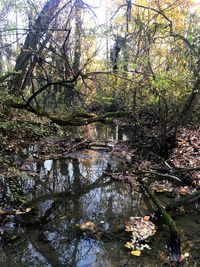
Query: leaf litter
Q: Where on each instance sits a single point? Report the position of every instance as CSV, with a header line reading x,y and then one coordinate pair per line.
x,y
141,228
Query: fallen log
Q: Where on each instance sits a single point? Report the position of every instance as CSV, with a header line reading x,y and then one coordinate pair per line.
x,y
77,119
183,201
174,244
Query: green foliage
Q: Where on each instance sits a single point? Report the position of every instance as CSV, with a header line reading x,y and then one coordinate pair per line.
x,y
105,103
26,129
153,61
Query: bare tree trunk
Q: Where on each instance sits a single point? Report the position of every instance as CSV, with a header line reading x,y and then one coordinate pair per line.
x,y
1,57
77,52
32,40
191,101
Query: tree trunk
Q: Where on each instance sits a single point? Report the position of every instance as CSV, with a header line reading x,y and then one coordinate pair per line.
x,y
190,104
38,30
77,50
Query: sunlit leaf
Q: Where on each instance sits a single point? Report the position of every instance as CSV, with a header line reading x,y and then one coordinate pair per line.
x,y
136,253
146,218
87,226
129,245
18,212
186,255
2,212
128,228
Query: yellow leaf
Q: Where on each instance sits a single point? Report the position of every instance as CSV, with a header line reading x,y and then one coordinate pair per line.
x,y
83,226
128,229
2,212
129,245
136,253
87,226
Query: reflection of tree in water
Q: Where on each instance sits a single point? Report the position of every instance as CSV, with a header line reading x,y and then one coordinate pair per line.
x,y
77,176
54,242
63,164
99,131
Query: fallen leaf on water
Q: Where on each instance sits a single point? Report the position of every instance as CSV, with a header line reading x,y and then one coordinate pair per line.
x,y
136,253
87,226
2,212
141,229
186,255
146,218
128,228
19,212
14,212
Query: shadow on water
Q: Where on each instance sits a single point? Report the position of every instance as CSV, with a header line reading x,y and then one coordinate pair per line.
x,y
67,192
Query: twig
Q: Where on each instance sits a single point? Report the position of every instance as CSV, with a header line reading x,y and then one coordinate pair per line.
x,y
162,174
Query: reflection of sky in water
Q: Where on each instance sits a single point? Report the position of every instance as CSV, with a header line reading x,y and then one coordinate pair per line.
x,y
62,174
108,205
101,132
87,251
70,170
33,256
54,243
98,201
48,164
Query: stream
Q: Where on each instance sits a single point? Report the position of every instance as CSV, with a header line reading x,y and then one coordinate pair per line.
x,y
93,197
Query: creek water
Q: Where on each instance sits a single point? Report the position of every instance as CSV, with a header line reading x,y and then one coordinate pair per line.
x,y
49,237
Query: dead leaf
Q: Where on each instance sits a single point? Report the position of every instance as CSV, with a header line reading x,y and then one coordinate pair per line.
x,y
18,212
136,253
129,245
186,255
3,212
146,218
14,212
87,226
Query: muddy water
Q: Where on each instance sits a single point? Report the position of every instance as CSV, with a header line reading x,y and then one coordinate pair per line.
x,y
67,192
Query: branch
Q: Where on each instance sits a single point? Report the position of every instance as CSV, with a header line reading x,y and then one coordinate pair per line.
x,y
78,121
162,174
43,88
184,201
75,120
161,12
